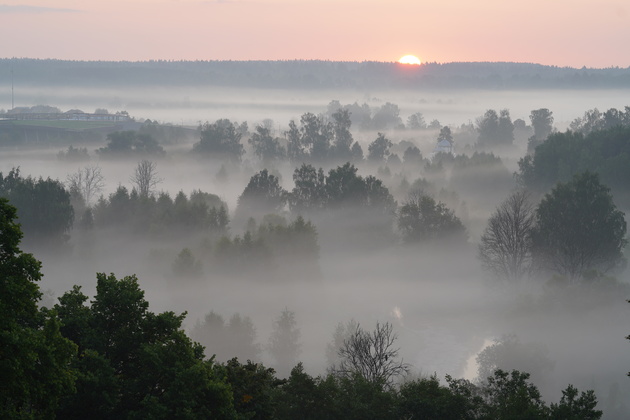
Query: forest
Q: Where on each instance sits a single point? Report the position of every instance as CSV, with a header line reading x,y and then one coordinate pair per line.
x,y
357,261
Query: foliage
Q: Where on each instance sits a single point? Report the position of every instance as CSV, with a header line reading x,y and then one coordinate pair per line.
x,y
35,367
220,140
130,143
43,206
563,155
579,228
266,147
594,120
253,388
542,122
426,399
378,150
511,396
134,363
508,353
346,189
274,248
422,219
495,130
309,192
161,214
263,194
342,140
572,407
505,247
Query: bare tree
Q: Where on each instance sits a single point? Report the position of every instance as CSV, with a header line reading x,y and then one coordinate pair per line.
x,y
87,182
506,248
371,355
145,178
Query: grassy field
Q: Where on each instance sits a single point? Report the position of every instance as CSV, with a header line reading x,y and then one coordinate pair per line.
x,y
66,124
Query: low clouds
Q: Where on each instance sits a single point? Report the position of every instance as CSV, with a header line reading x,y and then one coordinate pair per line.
x,y
7,8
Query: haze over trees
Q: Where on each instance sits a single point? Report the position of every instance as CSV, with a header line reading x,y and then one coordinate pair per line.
x,y
259,246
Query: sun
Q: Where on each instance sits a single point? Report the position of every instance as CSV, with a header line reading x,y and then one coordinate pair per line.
x,y
410,59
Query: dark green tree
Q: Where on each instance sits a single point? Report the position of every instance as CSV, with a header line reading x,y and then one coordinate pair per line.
x,y
35,358
579,228
574,407
253,386
426,399
134,363
43,207
512,396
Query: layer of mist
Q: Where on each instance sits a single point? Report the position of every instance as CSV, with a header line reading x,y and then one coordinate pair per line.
x,y
444,307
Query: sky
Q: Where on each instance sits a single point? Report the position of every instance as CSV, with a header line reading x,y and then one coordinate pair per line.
x,y
573,33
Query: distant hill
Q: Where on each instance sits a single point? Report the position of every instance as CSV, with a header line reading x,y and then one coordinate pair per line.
x,y
313,74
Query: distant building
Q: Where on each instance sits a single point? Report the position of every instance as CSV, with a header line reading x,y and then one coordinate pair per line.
x,y
444,146
72,115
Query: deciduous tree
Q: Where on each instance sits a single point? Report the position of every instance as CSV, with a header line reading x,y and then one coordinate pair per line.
x,y
146,178
35,358
505,248
371,355
579,228
422,219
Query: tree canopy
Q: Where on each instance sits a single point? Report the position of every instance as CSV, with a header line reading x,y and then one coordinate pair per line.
x,y
579,228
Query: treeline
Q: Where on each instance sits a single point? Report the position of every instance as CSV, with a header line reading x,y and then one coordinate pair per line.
x,y
113,358
159,213
311,74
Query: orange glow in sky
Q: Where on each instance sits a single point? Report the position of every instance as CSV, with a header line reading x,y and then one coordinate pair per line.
x,y
564,33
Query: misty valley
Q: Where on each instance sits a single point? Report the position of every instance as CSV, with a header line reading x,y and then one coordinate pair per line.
x,y
341,257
